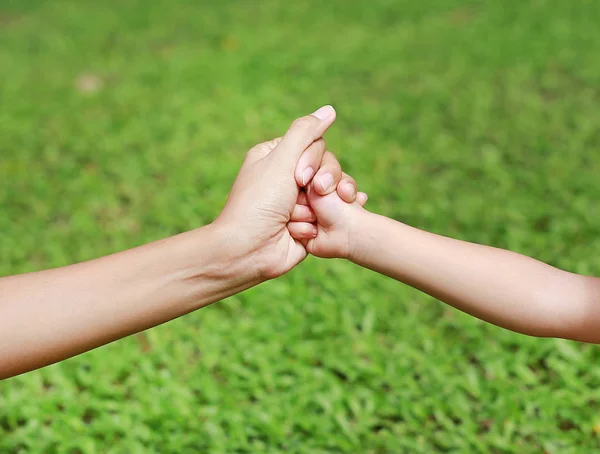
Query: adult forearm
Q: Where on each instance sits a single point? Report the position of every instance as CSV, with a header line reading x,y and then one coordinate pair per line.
x,y
52,315
501,287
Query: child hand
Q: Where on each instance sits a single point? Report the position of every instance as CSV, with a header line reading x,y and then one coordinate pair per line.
x,y
336,210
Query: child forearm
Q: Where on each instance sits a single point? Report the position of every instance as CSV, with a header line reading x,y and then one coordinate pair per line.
x,y
501,287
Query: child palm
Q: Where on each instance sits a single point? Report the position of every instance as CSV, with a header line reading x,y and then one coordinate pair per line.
x,y
337,215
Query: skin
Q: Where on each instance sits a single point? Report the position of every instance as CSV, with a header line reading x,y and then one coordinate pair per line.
x,y
51,315
504,288
267,227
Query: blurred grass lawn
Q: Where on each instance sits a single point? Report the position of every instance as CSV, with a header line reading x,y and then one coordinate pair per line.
x,y
124,122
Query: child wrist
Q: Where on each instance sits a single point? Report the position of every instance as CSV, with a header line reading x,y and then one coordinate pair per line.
x,y
357,237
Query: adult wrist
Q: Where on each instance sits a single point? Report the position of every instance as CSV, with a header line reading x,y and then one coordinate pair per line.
x,y
234,258
212,265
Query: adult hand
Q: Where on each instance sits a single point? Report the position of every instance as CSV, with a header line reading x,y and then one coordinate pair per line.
x,y
264,195
83,306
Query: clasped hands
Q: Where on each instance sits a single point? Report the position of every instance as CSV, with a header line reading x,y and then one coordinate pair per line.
x,y
290,199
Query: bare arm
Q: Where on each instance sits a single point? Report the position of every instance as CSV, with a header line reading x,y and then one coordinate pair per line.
x,y
51,315
501,287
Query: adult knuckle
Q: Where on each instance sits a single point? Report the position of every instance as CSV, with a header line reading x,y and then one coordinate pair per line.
x,y
320,145
274,142
303,124
316,149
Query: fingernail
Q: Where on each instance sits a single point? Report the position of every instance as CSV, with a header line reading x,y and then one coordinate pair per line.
x,y
315,232
350,188
323,113
325,181
307,175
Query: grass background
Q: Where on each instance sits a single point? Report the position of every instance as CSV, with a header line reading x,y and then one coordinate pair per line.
x,y
125,122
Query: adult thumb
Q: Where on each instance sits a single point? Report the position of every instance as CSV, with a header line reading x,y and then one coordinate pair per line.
x,y
303,132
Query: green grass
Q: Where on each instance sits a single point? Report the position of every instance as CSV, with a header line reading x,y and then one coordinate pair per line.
x,y
478,120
